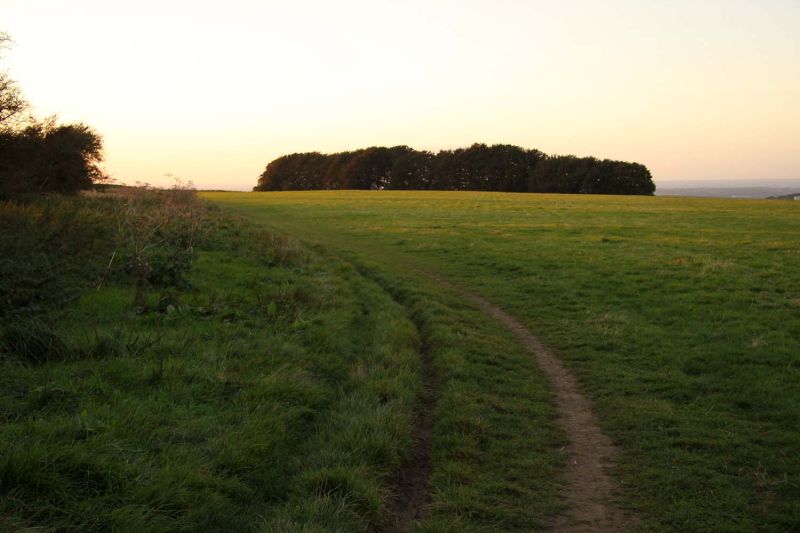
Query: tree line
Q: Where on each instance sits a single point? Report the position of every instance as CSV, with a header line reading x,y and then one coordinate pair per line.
x,y
38,156
499,167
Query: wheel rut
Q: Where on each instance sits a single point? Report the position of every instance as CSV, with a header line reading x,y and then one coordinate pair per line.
x,y
409,484
589,490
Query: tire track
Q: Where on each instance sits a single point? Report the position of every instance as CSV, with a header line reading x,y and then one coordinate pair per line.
x,y
409,484
589,490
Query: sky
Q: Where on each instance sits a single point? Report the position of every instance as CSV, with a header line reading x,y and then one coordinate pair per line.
x,y
212,91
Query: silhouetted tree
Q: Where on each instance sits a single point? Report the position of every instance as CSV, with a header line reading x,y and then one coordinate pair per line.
x,y
12,103
500,167
336,174
369,168
43,156
47,157
412,170
560,174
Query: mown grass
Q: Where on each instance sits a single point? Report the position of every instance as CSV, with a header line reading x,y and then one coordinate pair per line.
x,y
679,316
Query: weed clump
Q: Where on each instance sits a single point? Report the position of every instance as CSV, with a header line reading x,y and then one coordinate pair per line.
x,y
157,232
32,341
282,303
51,249
117,343
272,249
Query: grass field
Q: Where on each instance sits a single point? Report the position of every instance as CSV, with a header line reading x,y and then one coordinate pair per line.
x,y
278,391
680,317
307,368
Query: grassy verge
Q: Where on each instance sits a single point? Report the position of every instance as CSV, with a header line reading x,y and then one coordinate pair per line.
x,y
679,316
264,388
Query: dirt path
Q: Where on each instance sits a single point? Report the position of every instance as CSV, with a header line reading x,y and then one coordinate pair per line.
x,y
589,489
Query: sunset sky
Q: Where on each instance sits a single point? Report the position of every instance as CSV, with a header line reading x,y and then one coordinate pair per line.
x,y
212,91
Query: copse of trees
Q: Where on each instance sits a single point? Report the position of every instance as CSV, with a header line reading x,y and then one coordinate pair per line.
x,y
39,156
47,157
588,175
499,167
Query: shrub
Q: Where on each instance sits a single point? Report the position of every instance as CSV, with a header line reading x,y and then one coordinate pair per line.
x,y
47,157
33,341
157,231
51,248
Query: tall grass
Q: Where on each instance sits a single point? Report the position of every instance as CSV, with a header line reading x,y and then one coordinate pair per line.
x,y
274,391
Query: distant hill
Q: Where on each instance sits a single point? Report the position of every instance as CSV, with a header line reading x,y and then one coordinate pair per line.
x,y
792,196
729,188
726,192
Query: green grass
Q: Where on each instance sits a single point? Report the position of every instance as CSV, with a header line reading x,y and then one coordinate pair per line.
x,y
679,316
254,403
496,450
276,392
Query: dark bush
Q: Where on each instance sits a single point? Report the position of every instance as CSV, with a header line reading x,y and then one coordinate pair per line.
x,y
52,248
46,157
32,341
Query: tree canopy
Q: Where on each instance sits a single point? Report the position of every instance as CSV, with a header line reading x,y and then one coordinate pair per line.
x,y
499,167
12,103
42,155
48,157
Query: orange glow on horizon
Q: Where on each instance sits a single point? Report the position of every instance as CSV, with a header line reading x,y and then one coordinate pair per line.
x,y
212,93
